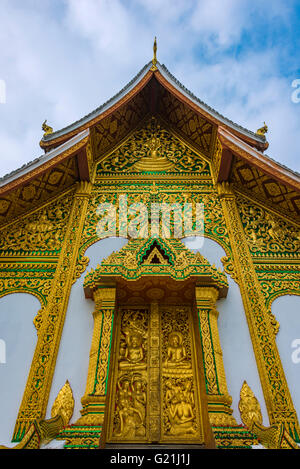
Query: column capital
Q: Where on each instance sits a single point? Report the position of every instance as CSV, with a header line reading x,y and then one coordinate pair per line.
x,y
84,189
210,294
225,190
104,295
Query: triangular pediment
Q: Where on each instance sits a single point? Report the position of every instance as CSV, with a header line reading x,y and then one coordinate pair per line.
x,y
135,261
153,149
156,255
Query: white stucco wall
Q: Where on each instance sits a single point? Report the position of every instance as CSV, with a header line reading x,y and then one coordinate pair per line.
x,y
73,356
286,309
238,355
18,333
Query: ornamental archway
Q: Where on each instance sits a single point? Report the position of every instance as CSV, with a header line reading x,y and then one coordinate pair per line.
x,y
156,375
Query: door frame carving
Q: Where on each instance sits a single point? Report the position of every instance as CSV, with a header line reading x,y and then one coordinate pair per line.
x,y
130,276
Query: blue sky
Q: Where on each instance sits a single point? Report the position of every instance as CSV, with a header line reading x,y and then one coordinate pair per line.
x,y
60,59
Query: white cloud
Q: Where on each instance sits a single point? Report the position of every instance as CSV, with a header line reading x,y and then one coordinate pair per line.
x,y
62,59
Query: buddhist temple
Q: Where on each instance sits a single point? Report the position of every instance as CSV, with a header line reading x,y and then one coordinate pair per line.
x,y
141,259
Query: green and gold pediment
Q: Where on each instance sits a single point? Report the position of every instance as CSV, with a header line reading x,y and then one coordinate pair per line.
x,y
159,258
153,150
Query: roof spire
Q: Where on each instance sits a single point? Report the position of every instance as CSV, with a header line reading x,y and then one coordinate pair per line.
x,y
154,60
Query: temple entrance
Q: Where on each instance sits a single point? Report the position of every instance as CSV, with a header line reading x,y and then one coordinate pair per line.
x,y
156,375
155,392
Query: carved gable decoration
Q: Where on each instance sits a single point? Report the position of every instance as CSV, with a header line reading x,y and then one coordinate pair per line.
x,y
264,188
153,150
192,126
135,260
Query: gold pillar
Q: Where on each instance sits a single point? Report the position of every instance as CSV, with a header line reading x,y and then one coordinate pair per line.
x,y
276,392
93,401
219,401
36,394
154,374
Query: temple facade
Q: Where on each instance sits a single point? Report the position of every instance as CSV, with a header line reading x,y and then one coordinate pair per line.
x,y
150,281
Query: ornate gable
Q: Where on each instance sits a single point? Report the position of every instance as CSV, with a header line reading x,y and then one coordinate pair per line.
x,y
133,262
152,149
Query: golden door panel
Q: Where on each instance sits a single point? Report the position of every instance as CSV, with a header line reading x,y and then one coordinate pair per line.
x,y
180,403
154,394
129,397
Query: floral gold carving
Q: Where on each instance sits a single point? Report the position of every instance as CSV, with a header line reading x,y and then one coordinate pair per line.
x,y
277,396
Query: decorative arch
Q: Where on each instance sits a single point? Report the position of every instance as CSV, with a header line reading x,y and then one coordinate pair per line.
x,y
29,291
175,268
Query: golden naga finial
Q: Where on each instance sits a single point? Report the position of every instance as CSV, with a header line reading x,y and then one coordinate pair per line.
x,y
274,437
41,432
263,130
64,404
154,60
46,128
249,407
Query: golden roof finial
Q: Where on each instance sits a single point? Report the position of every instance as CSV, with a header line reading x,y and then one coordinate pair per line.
x,y
46,128
263,130
154,60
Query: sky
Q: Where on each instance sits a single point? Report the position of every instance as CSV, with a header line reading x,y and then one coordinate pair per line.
x,y
61,59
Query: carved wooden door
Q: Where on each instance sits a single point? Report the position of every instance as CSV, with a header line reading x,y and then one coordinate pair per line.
x,y
154,390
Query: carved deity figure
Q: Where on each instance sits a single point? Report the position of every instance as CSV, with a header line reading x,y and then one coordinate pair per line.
x,y
181,419
179,400
187,393
176,353
134,353
124,392
131,400
139,397
131,422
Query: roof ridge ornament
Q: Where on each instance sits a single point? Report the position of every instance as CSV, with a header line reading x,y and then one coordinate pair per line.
x,y
154,60
263,130
46,128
